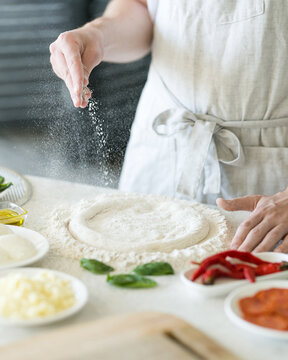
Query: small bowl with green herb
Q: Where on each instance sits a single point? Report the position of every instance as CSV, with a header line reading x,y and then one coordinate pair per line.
x,y
4,186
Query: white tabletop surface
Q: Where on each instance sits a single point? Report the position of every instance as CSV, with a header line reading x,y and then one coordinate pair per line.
x,y
171,296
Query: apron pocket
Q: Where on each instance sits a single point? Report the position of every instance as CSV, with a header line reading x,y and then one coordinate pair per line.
x,y
232,11
265,172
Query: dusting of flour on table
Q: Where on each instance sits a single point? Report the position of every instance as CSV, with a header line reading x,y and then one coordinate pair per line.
x,y
200,230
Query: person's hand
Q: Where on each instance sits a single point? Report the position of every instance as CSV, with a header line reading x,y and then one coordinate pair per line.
x,y
266,225
73,56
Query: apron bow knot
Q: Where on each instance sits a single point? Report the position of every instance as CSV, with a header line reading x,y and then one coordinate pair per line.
x,y
201,145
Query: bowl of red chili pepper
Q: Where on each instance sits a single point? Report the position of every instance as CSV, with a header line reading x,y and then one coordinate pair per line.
x,y
223,272
261,308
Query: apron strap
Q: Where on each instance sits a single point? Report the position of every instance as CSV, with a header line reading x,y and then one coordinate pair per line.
x,y
200,141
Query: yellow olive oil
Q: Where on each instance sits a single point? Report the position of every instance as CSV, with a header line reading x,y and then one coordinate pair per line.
x,y
10,217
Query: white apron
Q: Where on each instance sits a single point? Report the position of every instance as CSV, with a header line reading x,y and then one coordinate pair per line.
x,y
213,116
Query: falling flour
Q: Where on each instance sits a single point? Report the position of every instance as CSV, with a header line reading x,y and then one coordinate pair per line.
x,y
100,140
214,237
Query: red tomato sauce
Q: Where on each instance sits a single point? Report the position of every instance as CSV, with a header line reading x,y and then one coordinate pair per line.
x,y
268,308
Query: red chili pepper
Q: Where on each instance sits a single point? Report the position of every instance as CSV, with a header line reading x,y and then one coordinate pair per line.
x,y
241,255
257,267
241,266
211,275
203,267
215,259
243,271
249,273
195,262
266,269
245,256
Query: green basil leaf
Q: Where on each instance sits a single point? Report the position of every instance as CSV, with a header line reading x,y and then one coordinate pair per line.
x,y
5,186
154,268
2,179
95,266
132,281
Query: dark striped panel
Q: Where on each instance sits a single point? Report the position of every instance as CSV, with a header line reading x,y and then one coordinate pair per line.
x,y
17,35
30,75
28,88
39,87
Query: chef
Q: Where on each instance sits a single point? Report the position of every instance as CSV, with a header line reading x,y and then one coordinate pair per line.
x,y
212,121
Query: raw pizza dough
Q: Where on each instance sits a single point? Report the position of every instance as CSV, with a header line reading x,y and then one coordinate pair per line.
x,y
152,220
137,223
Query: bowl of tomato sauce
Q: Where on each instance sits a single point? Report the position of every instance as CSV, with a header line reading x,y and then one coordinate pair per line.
x,y
261,308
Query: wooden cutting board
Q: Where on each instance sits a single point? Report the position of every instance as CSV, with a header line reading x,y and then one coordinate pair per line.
x,y
137,336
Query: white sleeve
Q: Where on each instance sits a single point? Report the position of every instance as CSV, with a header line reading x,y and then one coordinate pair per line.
x,y
152,7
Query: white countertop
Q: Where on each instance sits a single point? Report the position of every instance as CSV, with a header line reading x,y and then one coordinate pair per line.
x,y
171,296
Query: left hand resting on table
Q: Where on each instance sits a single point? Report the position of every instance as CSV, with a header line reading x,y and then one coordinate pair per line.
x,y
266,225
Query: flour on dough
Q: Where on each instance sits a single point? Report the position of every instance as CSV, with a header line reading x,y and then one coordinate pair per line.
x,y
138,223
125,230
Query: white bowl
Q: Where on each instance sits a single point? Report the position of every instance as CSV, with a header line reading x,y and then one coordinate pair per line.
x,y
224,285
233,311
39,241
79,289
